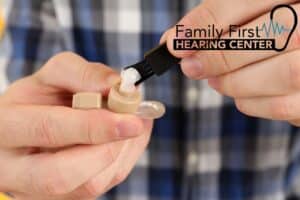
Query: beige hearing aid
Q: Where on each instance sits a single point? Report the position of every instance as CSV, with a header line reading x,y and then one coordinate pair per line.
x,y
123,102
87,100
123,97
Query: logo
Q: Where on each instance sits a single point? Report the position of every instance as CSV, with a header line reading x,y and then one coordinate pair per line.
x,y
261,37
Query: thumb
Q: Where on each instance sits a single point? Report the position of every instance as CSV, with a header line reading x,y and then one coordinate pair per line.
x,y
197,17
73,73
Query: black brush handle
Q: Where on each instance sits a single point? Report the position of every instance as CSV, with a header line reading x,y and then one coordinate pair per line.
x,y
157,61
160,59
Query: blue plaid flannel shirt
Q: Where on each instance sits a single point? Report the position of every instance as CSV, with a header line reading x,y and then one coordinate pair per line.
x,y
203,148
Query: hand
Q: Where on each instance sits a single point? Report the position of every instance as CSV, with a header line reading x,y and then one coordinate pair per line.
x,y
49,150
263,83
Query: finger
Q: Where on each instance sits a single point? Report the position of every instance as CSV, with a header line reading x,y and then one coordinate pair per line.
x,y
46,126
295,122
136,152
204,64
22,196
119,170
97,185
275,108
73,73
61,172
221,14
22,91
7,164
278,75
28,197
164,36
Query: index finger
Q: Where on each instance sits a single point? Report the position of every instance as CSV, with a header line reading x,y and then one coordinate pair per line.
x,y
221,14
215,63
56,126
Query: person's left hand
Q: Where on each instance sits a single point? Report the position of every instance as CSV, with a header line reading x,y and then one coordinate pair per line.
x,y
50,151
264,84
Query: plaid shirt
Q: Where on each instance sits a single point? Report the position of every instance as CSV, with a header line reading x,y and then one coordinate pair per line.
x,y
203,148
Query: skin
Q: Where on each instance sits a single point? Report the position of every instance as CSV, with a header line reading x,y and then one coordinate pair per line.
x,y
35,164
263,84
50,151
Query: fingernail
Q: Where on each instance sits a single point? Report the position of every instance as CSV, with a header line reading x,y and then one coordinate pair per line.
x,y
192,67
113,79
214,82
128,128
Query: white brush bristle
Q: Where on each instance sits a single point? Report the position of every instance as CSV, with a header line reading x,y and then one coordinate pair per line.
x,y
128,79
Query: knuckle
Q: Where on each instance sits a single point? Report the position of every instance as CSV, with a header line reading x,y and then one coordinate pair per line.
x,y
93,189
51,183
293,65
245,106
280,108
62,56
56,186
85,74
109,152
227,86
99,134
33,179
59,59
230,87
120,177
218,63
88,128
60,64
208,10
225,65
91,128
240,106
44,131
295,123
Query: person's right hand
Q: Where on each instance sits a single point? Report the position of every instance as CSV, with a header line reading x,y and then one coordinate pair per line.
x,y
49,150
